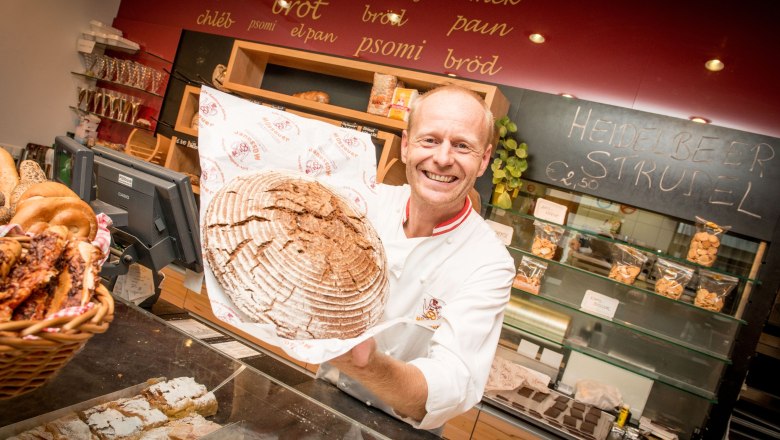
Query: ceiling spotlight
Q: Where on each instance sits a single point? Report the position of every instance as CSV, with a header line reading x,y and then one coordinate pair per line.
x,y
566,95
452,75
283,3
393,17
714,65
537,38
699,119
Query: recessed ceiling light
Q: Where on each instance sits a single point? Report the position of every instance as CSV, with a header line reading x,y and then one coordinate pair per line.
x,y
537,38
393,17
452,75
699,119
566,95
714,65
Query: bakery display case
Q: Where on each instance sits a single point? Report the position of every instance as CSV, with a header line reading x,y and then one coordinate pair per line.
x,y
139,346
674,351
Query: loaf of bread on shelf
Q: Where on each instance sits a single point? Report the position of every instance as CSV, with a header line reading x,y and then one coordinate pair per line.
x,y
314,95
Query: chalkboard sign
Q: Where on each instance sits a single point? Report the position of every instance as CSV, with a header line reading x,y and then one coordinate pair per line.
x,y
662,164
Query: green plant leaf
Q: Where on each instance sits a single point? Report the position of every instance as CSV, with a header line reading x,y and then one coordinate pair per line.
x,y
499,174
523,165
511,144
503,155
503,120
502,131
516,172
512,127
522,154
504,201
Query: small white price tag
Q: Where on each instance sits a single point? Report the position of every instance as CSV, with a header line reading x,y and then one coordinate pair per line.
x,y
550,211
528,349
86,46
551,358
599,304
504,232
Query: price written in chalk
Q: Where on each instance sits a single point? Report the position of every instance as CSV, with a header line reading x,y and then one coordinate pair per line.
x,y
559,171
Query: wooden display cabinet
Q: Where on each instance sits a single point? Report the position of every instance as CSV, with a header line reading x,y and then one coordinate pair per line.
x,y
250,61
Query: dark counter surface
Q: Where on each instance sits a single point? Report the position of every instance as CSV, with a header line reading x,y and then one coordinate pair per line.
x,y
267,397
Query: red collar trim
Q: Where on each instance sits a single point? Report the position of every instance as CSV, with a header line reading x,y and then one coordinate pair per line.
x,y
447,226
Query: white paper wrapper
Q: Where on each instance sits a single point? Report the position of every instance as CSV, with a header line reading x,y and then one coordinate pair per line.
x,y
237,137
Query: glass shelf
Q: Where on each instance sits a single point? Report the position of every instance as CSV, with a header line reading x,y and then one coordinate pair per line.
x,y
696,381
78,110
675,321
492,209
667,380
84,75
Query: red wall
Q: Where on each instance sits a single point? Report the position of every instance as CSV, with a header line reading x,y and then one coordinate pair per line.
x,y
642,55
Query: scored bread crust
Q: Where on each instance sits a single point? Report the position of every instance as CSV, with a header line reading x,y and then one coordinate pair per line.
x,y
291,252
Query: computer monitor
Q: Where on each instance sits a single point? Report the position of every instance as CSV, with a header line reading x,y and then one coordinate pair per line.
x,y
152,203
73,166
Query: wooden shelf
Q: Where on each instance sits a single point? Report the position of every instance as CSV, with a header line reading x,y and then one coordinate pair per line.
x,y
187,110
248,63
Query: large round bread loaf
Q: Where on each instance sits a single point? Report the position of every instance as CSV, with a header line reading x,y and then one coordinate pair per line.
x,y
291,252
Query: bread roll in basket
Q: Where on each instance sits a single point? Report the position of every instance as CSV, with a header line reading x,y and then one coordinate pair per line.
x,y
291,252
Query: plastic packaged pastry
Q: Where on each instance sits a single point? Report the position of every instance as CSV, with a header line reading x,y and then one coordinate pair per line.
x,y
382,93
712,290
627,263
546,238
529,275
671,278
705,243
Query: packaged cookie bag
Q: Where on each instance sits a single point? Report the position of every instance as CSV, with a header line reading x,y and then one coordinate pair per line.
x,y
705,242
712,290
529,275
627,263
546,238
671,278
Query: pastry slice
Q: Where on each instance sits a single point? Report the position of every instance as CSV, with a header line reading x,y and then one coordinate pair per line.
x,y
180,397
139,407
110,424
69,427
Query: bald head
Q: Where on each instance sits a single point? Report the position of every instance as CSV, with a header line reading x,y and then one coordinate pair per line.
x,y
487,120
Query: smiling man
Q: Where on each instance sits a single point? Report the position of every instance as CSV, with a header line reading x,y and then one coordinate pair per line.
x,y
447,269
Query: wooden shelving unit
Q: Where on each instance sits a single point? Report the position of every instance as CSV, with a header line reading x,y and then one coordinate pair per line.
x,y
249,61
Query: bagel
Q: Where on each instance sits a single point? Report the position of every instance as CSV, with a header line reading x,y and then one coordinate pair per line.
x,y
73,213
46,189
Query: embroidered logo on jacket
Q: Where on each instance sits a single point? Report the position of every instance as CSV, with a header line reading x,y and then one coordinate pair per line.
x,y
431,309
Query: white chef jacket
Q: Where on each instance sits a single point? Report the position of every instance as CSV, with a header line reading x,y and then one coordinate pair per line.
x,y
458,281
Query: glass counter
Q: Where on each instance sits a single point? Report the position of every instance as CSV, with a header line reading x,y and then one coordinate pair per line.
x,y
139,346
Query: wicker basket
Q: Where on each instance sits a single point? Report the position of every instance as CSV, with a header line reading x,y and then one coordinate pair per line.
x,y
26,364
